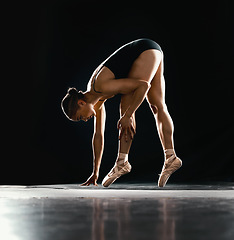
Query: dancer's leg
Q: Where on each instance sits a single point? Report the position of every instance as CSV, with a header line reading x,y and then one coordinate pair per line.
x,y
156,100
122,166
145,68
125,144
164,123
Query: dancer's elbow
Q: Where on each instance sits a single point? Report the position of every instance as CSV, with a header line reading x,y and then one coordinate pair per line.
x,y
145,85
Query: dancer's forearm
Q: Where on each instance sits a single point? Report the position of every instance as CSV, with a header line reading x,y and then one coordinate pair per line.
x,y
98,146
138,97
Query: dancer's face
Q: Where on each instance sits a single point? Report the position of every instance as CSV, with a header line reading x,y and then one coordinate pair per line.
x,y
85,111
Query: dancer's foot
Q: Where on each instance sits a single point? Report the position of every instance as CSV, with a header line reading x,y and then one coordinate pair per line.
x,y
116,172
171,164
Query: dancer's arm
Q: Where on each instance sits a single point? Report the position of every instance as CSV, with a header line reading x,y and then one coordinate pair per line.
x,y
125,86
98,138
125,123
98,144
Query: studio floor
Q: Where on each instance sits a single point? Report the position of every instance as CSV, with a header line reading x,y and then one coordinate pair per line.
x,y
122,211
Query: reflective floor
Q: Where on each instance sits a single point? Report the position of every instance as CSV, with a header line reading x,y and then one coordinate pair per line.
x,y
125,211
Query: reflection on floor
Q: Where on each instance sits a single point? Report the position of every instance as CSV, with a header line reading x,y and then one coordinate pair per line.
x,y
124,211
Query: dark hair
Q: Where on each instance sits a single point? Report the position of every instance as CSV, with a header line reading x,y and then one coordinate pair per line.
x,y
69,103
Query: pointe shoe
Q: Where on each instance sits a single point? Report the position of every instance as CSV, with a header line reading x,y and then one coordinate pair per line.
x,y
172,164
116,172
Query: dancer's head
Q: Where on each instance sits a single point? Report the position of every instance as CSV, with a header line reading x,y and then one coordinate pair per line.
x,y
75,106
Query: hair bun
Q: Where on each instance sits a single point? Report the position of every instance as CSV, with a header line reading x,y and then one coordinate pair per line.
x,y
72,91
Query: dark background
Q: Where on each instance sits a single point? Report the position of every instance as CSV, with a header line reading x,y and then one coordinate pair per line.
x,y
54,45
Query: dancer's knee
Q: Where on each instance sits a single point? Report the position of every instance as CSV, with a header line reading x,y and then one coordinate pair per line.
x,y
156,108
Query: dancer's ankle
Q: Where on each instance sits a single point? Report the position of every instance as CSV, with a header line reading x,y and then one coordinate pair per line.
x,y
168,153
122,158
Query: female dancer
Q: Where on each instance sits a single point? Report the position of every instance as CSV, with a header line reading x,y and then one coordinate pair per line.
x,y
135,70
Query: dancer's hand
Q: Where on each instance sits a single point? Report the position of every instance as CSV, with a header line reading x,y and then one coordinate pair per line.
x,y
125,123
91,180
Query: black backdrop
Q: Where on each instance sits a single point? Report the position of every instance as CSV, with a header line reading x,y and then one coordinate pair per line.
x,y
57,44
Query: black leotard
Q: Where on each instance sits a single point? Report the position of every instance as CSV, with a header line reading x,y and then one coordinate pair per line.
x,y
120,62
